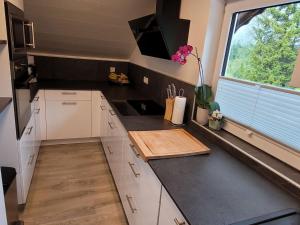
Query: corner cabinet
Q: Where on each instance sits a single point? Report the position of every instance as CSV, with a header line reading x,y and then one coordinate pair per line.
x,y
139,189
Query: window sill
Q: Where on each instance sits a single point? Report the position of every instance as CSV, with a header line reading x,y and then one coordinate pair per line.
x,y
273,169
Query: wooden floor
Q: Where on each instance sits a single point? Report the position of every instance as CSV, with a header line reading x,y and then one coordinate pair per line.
x,y
72,185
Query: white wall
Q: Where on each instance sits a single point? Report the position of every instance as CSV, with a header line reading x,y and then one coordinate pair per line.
x,y
206,18
8,142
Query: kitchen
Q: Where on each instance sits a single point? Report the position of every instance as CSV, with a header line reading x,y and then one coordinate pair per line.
x,y
104,121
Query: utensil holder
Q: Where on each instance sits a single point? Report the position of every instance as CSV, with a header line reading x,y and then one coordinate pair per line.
x,y
169,108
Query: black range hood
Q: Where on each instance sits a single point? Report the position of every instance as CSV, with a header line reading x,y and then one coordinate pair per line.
x,y
161,34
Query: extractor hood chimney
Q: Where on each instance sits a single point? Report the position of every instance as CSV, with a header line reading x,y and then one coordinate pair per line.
x,y
161,34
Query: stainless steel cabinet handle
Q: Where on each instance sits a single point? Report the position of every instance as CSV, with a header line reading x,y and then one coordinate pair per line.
x,y
112,112
69,93
33,37
132,169
130,204
102,107
37,111
109,150
31,159
178,223
29,130
69,103
110,125
134,150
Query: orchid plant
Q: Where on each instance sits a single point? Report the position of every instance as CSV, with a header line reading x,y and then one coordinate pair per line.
x,y
203,92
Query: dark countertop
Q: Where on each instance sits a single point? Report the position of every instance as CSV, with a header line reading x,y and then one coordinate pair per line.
x,y
4,102
8,176
218,189
214,189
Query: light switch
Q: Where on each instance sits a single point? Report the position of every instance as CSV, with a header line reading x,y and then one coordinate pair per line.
x,y
146,80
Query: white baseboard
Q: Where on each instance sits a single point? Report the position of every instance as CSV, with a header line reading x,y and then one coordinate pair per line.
x,y
70,141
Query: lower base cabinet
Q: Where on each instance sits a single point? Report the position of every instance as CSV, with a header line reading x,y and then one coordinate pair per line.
x,y
169,213
140,190
68,119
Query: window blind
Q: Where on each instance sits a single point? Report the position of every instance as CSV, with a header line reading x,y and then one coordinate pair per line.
x,y
272,113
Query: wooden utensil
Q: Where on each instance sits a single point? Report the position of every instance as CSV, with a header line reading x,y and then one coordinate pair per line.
x,y
166,144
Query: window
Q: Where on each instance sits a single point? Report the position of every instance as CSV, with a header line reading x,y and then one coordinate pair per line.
x,y
264,44
257,56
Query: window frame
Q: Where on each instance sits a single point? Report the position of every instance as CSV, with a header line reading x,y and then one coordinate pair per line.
x,y
283,153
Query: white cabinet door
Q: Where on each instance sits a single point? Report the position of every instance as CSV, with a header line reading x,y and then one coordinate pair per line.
x,y
68,119
169,214
140,188
37,122
96,113
42,114
104,106
28,156
117,133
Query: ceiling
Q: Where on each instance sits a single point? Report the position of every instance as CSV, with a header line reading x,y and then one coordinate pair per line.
x,y
95,28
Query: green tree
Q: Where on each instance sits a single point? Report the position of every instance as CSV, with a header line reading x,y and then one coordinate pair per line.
x,y
271,58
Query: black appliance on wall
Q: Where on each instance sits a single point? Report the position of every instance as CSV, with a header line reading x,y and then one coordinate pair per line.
x,y
161,34
20,31
20,38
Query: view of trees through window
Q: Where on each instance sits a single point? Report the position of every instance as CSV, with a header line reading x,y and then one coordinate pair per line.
x,y
265,45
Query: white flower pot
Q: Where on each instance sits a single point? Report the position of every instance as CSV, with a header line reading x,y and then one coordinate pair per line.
x,y
202,116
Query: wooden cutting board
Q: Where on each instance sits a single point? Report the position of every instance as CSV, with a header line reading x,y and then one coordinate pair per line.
x,y
166,143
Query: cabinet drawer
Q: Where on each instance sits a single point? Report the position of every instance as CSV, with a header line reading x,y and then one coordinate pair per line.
x,y
68,119
57,95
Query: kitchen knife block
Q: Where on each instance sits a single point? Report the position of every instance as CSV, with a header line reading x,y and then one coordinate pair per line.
x,y
169,108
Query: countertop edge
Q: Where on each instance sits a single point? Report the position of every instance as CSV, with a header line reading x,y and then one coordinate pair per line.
x,y
4,103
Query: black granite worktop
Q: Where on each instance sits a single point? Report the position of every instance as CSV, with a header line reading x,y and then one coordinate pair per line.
x,y
214,189
4,102
218,189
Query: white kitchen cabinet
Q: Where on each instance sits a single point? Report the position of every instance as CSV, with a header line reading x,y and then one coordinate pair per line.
x,y
169,213
42,114
104,129
143,184
68,119
138,186
28,156
96,113
144,200
36,113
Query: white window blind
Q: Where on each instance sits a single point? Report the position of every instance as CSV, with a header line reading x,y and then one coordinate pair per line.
x,y
273,113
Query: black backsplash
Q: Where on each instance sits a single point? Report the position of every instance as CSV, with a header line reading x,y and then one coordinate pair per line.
x,y
156,89
76,69
53,68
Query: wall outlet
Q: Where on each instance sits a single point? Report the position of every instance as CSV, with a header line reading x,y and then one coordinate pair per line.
x,y
146,80
112,69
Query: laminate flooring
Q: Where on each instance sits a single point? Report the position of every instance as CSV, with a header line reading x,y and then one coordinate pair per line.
x,y
72,185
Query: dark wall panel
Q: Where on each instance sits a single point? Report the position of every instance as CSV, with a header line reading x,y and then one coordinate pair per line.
x,y
156,89
76,69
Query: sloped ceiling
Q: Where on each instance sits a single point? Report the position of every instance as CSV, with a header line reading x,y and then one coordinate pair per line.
x,y
96,28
